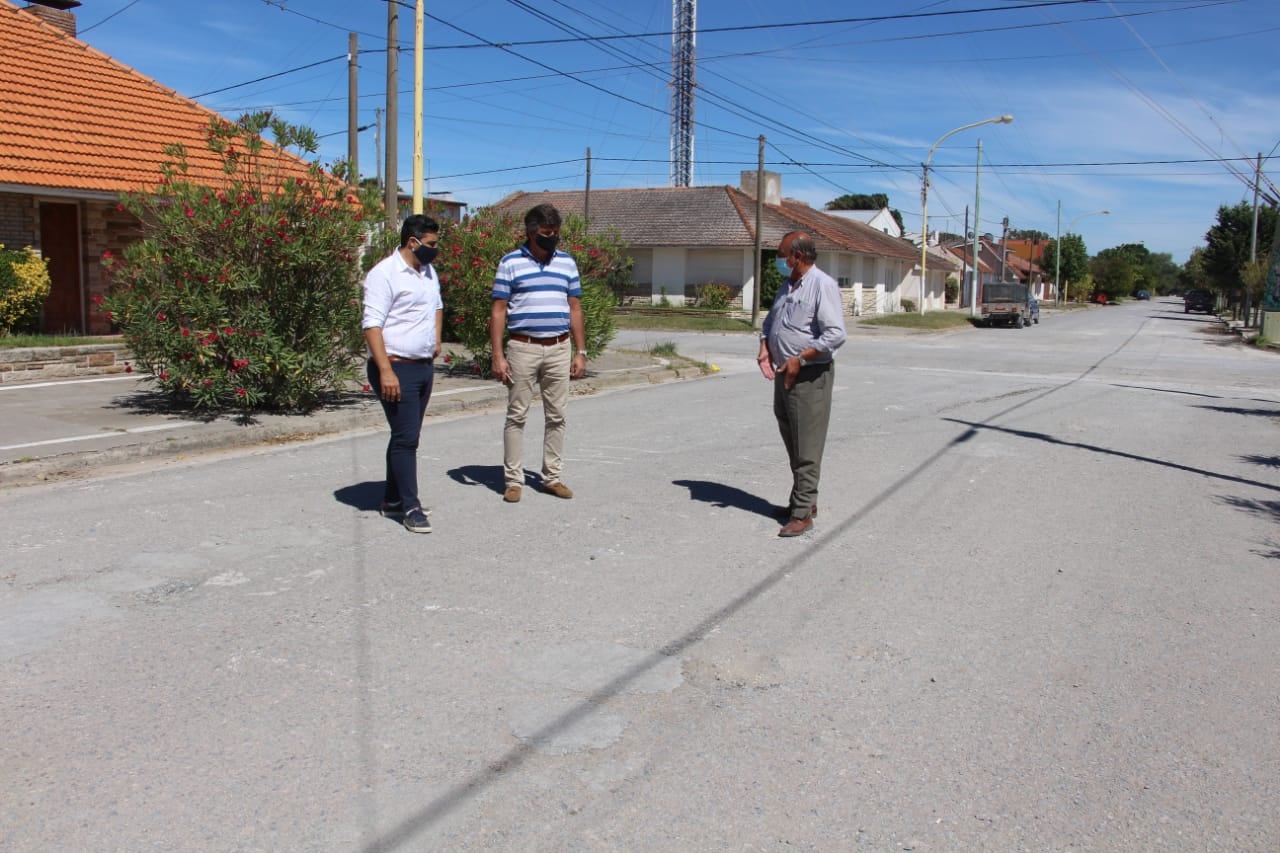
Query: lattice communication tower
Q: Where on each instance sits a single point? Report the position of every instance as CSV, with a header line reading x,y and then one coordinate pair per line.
x,y
684,38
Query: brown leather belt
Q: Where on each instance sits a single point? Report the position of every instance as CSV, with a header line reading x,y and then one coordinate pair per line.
x,y
409,360
546,342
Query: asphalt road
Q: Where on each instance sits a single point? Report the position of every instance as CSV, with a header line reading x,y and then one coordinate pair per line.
x,y
1039,611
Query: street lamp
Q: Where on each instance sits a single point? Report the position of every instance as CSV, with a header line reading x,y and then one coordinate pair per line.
x,y
1057,246
924,197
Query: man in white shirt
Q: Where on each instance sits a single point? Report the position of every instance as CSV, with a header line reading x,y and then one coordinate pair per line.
x,y
403,315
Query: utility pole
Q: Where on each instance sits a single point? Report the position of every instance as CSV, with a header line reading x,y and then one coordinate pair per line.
x,y
977,227
586,196
960,295
418,23
1253,239
756,267
353,112
1004,244
377,143
391,199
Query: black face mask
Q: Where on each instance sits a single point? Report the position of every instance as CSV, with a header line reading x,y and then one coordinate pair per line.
x,y
547,243
426,254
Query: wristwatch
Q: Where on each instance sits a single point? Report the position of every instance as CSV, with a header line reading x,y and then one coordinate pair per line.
x,y
804,362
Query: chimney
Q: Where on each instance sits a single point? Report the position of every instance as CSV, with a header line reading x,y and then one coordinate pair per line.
x,y
55,13
772,185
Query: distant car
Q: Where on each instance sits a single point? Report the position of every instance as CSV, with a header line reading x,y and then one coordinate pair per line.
x,y
1142,294
1198,300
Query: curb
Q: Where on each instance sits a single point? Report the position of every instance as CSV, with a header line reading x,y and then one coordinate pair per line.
x,y
297,429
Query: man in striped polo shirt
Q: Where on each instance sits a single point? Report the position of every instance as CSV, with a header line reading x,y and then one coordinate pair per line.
x,y
536,302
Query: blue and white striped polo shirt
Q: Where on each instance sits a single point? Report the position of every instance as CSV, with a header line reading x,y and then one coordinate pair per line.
x,y
537,296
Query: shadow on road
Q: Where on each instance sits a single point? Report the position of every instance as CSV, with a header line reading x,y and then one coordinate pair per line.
x,y
489,476
720,495
1264,461
366,497
1235,410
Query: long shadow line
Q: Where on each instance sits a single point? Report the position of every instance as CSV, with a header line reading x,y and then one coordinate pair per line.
x,y
442,805
1048,439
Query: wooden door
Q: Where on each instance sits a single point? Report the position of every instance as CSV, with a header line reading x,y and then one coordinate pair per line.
x,y
60,245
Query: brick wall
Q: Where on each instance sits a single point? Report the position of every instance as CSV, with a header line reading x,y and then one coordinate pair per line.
x,y
18,221
107,228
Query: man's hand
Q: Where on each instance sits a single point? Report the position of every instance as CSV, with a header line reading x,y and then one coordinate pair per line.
x,y
766,366
578,368
790,370
501,369
390,384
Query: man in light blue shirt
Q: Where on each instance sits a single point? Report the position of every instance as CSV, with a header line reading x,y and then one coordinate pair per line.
x,y
536,293
803,330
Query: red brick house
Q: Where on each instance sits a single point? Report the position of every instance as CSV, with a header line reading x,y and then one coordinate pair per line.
x,y
77,128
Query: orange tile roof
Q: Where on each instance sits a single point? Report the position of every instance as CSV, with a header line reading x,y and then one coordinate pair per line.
x,y
73,118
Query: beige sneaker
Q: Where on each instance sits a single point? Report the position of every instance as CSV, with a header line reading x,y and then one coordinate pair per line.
x,y
558,489
512,495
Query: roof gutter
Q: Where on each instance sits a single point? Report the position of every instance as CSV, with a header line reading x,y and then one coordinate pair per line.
x,y
59,192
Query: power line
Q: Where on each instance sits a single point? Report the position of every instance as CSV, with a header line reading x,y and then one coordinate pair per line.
x,y
755,27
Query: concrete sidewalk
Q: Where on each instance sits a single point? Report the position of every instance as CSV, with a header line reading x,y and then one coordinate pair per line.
x,y
53,430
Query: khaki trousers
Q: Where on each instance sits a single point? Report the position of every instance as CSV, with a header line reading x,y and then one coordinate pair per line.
x,y
546,368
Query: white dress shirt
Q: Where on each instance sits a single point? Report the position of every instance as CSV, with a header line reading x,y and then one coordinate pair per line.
x,y
403,303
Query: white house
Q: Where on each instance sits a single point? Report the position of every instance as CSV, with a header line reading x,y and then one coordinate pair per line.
x,y
684,237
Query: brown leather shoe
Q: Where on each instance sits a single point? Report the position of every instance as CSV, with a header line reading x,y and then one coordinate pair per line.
x,y
558,489
512,495
796,526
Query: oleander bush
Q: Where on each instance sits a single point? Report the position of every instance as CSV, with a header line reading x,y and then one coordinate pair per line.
x,y
470,251
243,295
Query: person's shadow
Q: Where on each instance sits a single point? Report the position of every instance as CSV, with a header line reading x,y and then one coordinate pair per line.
x,y
489,476
720,495
366,497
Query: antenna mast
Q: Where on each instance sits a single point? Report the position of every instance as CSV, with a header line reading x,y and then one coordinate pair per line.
x,y
684,28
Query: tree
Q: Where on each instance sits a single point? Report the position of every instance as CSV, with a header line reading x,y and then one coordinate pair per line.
x,y
1123,270
1075,262
1028,234
1226,252
858,201
244,295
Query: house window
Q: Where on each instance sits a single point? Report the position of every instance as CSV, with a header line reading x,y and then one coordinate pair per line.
x,y
843,281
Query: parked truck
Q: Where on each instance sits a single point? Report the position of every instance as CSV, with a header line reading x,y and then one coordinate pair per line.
x,y
1009,303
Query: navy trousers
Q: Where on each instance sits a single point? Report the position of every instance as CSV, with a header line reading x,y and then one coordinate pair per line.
x,y
405,418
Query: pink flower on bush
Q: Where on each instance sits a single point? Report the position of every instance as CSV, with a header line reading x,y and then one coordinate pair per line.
x,y
162,317
228,331
164,375
240,392
128,368
188,211
186,333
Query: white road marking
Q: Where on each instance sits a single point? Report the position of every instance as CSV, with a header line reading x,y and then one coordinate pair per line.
x,y
20,386
90,437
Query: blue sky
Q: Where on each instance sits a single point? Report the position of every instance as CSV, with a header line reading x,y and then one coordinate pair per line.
x,y
858,103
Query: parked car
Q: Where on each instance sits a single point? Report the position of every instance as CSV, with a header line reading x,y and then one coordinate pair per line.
x,y
1142,294
1008,303
1198,300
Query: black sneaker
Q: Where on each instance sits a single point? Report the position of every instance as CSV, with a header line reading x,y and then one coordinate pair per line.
x,y
416,521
